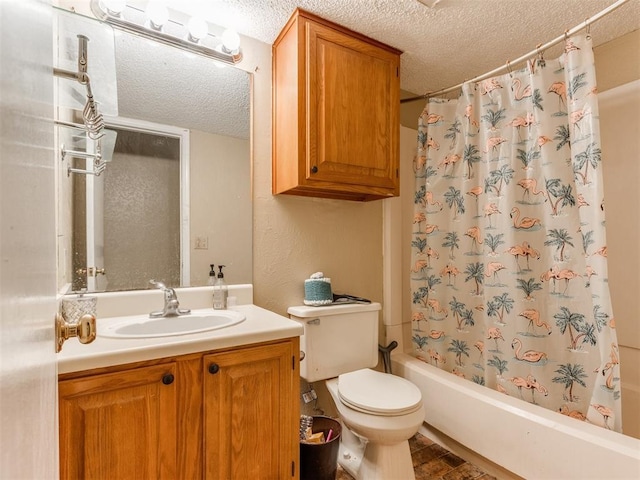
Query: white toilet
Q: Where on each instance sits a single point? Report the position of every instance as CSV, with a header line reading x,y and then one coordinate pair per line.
x,y
379,412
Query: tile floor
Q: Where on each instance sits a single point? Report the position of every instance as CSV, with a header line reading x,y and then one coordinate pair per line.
x,y
433,462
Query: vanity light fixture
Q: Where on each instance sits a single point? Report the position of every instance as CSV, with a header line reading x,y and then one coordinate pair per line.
x,y
114,7
230,41
158,15
197,29
156,23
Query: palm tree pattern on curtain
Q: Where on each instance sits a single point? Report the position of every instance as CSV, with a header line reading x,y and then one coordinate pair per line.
x,y
509,272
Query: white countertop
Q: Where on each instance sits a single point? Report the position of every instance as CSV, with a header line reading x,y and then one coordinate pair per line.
x,y
259,326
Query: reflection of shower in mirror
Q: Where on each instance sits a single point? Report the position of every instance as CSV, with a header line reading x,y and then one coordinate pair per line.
x,y
127,223
191,107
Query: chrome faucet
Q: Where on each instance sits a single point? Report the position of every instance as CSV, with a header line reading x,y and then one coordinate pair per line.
x,y
171,304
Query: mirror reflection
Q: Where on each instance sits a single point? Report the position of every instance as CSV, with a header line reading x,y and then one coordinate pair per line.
x,y
176,195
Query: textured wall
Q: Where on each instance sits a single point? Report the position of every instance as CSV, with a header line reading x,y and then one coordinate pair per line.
x,y
296,236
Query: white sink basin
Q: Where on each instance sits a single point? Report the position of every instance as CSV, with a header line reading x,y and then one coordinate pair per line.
x,y
144,327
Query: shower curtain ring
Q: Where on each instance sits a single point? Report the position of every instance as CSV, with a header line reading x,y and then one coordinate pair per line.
x,y
509,68
540,56
588,26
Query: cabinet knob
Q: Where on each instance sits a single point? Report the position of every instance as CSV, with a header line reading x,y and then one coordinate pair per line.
x,y
214,368
314,169
167,379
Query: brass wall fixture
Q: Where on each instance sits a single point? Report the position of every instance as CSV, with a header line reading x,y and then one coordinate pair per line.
x,y
91,271
84,330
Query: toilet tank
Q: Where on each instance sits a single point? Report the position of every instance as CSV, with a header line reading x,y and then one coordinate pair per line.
x,y
337,339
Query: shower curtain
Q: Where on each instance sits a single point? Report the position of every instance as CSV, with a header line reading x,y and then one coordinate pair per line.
x,y
509,270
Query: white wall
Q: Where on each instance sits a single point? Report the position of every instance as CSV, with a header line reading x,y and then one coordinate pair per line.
x,y
618,74
220,195
620,129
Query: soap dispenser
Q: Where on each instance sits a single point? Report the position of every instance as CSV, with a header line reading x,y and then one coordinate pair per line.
x,y
220,291
212,275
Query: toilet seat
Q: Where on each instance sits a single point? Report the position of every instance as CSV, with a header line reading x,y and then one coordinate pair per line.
x,y
378,393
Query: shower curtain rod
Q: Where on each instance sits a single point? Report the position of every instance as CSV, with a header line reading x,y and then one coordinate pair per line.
x,y
586,24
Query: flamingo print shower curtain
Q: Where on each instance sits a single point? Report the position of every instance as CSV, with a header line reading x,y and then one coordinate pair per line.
x,y
509,269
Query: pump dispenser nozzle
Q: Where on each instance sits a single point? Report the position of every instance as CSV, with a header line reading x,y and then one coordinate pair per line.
x,y
220,291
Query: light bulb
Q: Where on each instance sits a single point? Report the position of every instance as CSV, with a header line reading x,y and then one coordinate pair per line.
x,y
198,29
158,14
114,7
230,41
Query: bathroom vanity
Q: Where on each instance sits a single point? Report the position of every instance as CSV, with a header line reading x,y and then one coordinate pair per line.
x,y
217,404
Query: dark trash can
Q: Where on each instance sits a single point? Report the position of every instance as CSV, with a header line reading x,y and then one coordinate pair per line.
x,y
319,461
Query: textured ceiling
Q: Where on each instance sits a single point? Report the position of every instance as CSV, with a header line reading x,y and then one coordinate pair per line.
x,y
162,84
445,45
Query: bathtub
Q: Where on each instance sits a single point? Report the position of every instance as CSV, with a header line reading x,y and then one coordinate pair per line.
x,y
523,439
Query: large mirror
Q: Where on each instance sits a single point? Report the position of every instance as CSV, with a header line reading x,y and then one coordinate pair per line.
x,y
175,196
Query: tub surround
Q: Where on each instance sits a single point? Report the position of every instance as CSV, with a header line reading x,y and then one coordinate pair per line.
x,y
525,439
259,326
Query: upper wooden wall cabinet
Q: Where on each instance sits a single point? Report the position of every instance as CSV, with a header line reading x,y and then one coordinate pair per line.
x,y
336,101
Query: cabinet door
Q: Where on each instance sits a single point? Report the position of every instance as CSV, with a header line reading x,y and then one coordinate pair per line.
x,y
250,416
353,104
119,425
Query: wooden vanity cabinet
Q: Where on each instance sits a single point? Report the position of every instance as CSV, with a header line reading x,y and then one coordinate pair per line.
x,y
249,414
227,414
119,425
336,103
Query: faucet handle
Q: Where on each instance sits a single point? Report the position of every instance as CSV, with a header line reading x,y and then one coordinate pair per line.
x,y
157,284
171,304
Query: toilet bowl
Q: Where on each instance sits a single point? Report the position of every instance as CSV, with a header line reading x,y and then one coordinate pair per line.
x,y
381,418
379,412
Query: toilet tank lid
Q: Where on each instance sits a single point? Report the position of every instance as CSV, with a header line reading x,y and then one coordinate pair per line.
x,y
304,311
